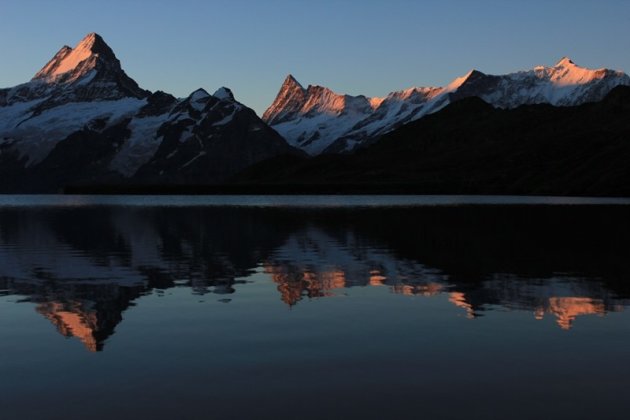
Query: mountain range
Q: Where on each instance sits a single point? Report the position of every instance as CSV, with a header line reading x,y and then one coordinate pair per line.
x,y
81,121
319,120
471,147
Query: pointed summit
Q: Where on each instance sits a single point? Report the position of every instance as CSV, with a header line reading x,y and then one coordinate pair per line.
x,y
565,62
88,71
290,99
290,82
472,75
71,64
223,93
96,45
567,73
199,94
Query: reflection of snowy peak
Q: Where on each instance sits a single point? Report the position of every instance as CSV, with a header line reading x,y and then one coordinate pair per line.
x,y
81,119
83,286
318,120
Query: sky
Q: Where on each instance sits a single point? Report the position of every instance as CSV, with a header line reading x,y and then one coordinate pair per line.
x,y
364,47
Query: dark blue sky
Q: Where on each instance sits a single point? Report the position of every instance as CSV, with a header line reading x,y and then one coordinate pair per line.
x,y
358,47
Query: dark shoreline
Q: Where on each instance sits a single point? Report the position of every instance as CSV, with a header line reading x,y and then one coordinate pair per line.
x,y
297,190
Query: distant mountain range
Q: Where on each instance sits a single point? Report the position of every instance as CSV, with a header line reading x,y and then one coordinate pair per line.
x,y
319,120
83,122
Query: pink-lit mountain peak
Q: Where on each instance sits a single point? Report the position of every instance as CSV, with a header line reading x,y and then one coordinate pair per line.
x,y
289,100
566,73
89,71
293,100
71,64
565,62
290,82
469,77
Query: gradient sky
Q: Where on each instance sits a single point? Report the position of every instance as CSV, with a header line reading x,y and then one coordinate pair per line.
x,y
357,47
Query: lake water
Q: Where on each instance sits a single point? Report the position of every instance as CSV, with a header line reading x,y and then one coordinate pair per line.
x,y
314,307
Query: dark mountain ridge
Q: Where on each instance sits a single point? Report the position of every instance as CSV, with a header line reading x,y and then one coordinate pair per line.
x,y
470,147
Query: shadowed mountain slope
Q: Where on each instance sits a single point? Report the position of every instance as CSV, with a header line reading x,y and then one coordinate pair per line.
x,y
471,147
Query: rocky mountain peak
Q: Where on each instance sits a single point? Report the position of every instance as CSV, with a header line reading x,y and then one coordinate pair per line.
x,y
72,64
89,71
290,99
199,94
224,94
290,83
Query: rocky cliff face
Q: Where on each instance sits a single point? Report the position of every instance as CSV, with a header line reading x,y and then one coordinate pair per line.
x,y
309,118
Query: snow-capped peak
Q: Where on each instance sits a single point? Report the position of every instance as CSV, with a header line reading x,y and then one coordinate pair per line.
x,y
567,73
565,62
224,94
376,102
458,82
90,71
72,64
198,95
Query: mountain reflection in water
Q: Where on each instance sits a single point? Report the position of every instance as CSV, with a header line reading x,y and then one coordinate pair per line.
x,y
83,267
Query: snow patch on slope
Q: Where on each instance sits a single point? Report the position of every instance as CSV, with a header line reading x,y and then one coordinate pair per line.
x,y
140,147
39,134
224,94
11,116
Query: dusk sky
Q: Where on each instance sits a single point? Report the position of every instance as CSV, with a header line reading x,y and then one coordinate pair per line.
x,y
357,47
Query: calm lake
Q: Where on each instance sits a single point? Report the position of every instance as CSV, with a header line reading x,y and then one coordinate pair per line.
x,y
314,307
